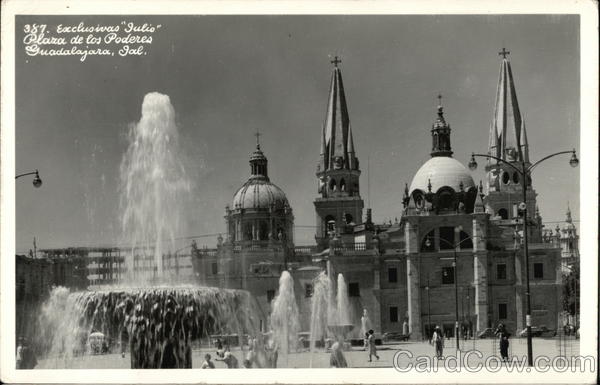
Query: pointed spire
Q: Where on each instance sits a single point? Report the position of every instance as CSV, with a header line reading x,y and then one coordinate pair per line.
x,y
507,133
337,142
569,219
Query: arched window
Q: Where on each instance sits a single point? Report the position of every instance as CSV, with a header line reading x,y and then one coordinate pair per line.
x,y
418,198
505,177
516,177
445,198
330,223
348,218
503,213
332,185
342,185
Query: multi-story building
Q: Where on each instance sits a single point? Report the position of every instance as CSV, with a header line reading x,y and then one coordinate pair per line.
x,y
401,272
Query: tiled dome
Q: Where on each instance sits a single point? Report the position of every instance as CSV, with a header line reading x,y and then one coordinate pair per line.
x,y
442,171
259,193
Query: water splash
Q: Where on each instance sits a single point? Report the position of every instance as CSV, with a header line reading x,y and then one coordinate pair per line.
x,y
285,317
320,310
156,325
153,186
343,303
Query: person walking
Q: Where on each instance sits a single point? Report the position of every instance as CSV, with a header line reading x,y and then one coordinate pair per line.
x,y
504,344
337,359
437,340
372,348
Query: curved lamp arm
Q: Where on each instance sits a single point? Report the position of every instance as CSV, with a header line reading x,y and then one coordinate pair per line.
x,y
499,160
551,156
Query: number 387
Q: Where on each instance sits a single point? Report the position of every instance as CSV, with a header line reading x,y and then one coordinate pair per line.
x,y
34,28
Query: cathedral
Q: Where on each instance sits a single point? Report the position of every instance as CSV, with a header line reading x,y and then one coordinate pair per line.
x,y
454,259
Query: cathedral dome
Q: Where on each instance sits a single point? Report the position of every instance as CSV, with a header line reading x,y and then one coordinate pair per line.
x,y
442,171
259,193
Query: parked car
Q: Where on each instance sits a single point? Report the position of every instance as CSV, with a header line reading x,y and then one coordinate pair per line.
x,y
541,331
487,333
395,336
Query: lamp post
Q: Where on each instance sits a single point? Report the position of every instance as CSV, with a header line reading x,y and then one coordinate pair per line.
x,y
454,246
37,181
525,173
428,309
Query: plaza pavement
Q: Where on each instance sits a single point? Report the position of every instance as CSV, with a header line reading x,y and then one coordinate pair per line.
x,y
356,357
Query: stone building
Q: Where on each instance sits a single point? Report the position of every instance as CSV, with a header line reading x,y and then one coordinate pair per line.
x,y
403,271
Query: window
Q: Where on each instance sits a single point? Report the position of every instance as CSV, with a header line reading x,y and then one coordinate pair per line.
x,y
332,185
348,218
445,198
446,238
501,271
215,268
503,213
538,270
447,275
502,311
465,241
516,177
392,275
270,295
393,313
342,185
330,223
308,290
353,289
505,177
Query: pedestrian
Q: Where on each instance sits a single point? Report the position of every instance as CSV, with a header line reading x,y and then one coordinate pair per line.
x,y
230,360
504,344
437,340
220,351
207,364
366,341
20,353
372,348
337,360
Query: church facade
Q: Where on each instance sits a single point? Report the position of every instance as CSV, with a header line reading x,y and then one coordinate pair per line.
x,y
455,256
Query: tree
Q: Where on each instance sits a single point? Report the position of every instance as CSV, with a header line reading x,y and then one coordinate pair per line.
x,y
571,290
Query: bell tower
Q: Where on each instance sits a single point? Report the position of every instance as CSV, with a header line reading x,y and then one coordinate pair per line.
x,y
338,205
507,141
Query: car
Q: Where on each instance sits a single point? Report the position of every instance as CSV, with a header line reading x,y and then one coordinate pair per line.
x,y
541,331
487,333
395,336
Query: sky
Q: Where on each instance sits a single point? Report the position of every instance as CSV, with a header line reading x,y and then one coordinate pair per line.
x,y
229,76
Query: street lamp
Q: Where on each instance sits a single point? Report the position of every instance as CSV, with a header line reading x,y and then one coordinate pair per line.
x,y
525,173
454,246
428,309
37,181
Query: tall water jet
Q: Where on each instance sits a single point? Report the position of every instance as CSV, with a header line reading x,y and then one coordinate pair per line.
x,y
284,316
153,186
343,303
320,311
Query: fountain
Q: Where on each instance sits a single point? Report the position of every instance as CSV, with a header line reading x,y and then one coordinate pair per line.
x,y
330,315
284,316
341,325
154,186
152,318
